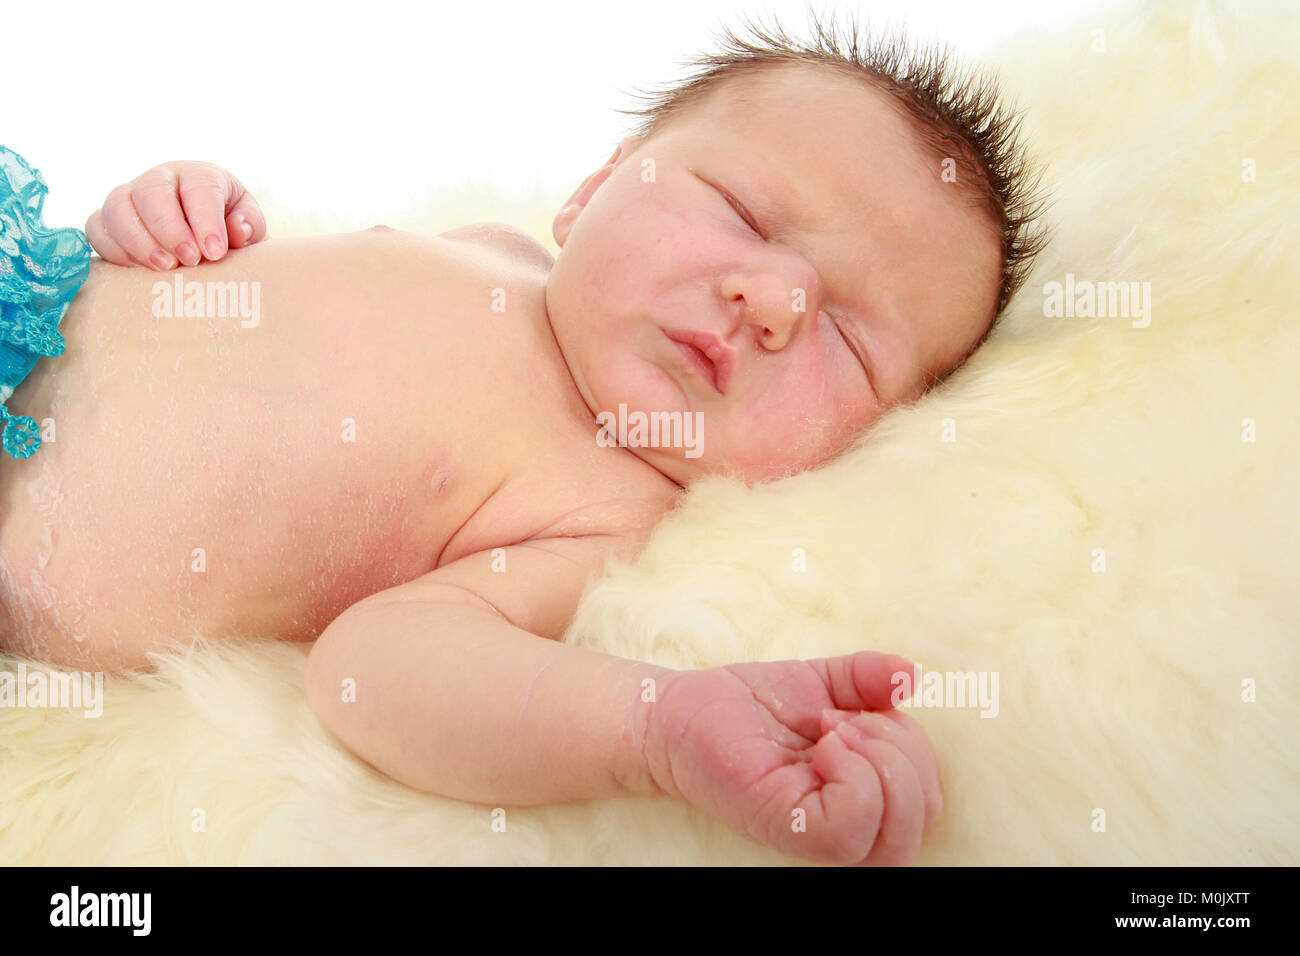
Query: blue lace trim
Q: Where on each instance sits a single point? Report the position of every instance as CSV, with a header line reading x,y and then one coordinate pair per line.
x,y
40,272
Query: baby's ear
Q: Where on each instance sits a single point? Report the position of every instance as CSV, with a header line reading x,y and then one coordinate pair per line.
x,y
573,206
626,146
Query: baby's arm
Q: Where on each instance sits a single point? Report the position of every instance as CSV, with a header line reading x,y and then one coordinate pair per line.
x,y
445,684
181,211
456,693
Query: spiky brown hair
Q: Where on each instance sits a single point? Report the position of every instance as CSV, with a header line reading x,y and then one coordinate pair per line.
x,y
956,114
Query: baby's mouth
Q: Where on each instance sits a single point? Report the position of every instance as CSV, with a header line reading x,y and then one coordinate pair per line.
x,y
692,346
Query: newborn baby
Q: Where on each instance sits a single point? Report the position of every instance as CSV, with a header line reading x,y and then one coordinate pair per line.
x,y
401,458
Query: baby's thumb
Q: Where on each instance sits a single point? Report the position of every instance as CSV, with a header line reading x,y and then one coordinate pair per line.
x,y
869,680
245,223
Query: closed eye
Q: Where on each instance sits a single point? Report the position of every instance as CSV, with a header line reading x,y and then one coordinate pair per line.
x,y
856,354
737,205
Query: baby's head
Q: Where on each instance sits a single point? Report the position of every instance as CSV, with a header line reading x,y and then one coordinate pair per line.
x,y
795,239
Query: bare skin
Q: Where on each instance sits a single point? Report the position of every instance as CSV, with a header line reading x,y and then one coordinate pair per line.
x,y
237,441
400,460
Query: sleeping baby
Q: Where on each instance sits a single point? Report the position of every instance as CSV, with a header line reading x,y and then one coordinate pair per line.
x,y
417,451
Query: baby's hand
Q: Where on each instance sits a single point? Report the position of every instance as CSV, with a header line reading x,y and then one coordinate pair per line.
x,y
177,211
754,744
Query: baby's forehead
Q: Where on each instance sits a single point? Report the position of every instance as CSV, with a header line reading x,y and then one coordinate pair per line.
x,y
769,86
826,146
833,122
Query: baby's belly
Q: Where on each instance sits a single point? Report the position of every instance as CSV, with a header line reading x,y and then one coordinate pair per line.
x,y
254,473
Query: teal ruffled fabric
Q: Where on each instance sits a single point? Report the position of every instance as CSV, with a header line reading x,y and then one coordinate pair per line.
x,y
40,272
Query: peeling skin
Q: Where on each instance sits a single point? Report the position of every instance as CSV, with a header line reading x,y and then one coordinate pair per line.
x,y
174,434
256,482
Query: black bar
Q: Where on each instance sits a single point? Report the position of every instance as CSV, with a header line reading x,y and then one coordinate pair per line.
x,y
984,905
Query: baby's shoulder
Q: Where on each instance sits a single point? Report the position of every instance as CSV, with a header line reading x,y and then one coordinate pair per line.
x,y
504,239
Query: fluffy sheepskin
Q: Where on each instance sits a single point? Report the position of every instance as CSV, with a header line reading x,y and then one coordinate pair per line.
x,y
1161,690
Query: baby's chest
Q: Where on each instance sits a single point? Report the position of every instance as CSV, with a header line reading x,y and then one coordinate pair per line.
x,y
408,348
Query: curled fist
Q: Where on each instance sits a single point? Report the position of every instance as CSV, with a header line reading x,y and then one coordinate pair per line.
x,y
180,212
804,756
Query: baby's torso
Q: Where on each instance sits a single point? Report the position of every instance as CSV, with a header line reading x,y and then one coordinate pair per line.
x,y
371,407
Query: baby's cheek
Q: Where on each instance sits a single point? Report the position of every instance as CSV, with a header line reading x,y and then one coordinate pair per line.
x,y
802,421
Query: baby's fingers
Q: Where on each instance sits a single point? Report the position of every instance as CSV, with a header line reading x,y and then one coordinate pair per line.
x,y
909,737
122,224
245,223
204,190
903,819
103,243
155,198
853,801
867,680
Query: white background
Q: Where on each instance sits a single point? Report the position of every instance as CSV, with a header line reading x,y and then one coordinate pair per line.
x,y
349,110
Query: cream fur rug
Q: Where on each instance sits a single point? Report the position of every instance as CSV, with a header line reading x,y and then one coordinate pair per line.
x,y
1160,691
